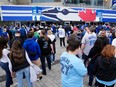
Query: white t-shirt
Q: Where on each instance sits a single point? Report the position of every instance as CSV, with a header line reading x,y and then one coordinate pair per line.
x,y
52,37
88,40
61,32
4,58
114,42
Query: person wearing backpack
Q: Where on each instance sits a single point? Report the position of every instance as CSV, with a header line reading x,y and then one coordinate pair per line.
x,y
46,50
19,63
32,48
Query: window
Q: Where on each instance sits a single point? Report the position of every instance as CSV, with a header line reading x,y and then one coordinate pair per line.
x,y
37,1
86,2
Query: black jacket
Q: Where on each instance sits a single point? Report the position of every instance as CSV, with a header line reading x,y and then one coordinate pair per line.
x,y
94,54
105,40
105,69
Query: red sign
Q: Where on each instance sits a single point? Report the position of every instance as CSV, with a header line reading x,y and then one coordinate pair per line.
x,y
88,15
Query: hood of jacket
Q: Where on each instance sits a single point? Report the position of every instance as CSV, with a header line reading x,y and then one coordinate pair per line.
x,y
30,40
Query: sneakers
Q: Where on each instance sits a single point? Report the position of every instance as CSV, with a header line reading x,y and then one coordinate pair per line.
x,y
39,78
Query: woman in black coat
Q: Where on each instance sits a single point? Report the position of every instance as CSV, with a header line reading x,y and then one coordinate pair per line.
x,y
105,67
93,55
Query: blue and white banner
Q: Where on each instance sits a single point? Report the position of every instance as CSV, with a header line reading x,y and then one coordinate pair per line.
x,y
108,15
43,13
113,2
16,13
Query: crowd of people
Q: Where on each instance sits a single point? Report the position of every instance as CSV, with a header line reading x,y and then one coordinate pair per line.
x,y
98,52
90,50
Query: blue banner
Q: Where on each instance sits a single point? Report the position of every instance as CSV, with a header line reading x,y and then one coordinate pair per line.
x,y
113,2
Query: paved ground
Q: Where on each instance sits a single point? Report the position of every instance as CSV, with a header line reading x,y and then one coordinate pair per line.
x,y
53,77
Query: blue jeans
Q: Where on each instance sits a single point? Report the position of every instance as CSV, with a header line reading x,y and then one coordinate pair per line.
x,y
90,72
5,67
52,57
42,58
19,77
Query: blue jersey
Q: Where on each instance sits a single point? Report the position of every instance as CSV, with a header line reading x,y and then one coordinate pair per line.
x,y
72,70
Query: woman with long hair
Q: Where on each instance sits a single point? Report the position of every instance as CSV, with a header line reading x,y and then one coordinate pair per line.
x,y
4,60
20,64
53,39
46,49
93,55
105,67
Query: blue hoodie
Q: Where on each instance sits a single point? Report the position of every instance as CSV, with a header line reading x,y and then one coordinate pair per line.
x,y
32,44
72,70
1,31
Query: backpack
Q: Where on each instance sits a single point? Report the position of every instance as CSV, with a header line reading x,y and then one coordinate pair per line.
x,y
31,50
16,58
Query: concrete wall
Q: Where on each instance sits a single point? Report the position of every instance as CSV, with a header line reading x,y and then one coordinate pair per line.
x,y
4,2
23,2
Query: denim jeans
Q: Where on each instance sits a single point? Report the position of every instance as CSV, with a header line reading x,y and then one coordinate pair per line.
x,y
90,72
19,77
5,67
52,57
43,63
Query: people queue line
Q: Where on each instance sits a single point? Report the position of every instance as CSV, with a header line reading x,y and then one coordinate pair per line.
x,y
37,45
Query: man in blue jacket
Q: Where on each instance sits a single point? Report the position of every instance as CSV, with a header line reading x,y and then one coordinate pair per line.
x,y
32,48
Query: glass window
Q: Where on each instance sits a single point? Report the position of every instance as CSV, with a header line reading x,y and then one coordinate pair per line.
x,y
37,1
100,3
86,2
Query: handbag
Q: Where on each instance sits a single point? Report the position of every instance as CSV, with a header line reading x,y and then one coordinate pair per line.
x,y
34,71
33,75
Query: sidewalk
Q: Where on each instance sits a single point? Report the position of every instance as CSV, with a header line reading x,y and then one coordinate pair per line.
x,y
53,77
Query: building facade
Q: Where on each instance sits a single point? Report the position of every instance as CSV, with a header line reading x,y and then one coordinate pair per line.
x,y
58,10
102,4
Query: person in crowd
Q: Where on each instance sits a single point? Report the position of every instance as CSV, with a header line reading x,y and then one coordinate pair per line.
x,y
88,42
72,68
53,39
103,37
46,49
75,29
93,55
5,33
114,40
1,31
113,32
10,34
23,33
68,30
20,64
36,34
17,37
53,28
4,61
32,48
105,67
61,33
